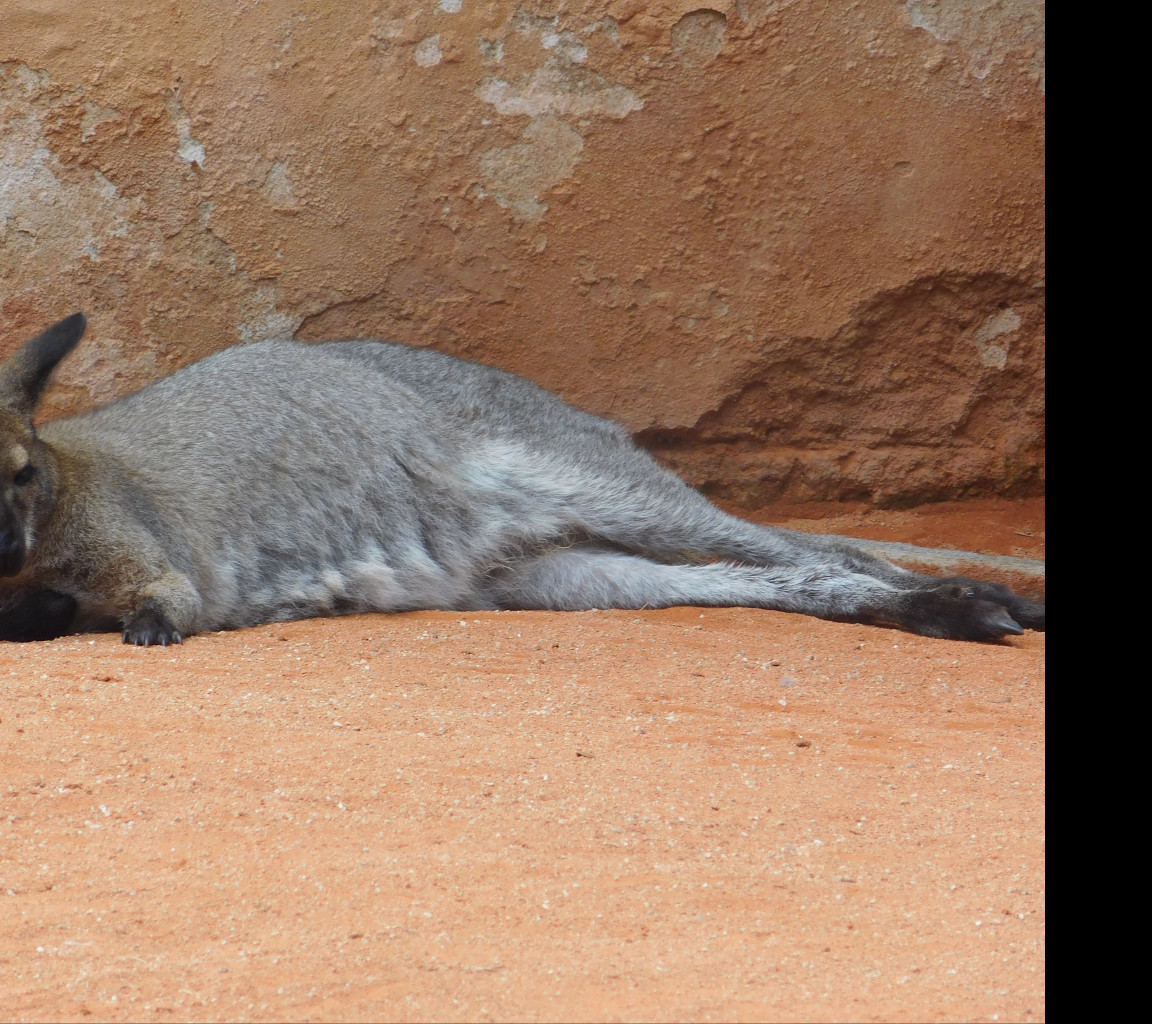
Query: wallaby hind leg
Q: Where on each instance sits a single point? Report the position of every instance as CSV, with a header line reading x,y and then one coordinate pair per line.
x,y
647,510
567,579
763,545
623,498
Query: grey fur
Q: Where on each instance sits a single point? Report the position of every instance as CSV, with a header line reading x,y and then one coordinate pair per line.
x,y
283,480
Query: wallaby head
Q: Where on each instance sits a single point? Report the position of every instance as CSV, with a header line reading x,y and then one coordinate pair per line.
x,y
23,378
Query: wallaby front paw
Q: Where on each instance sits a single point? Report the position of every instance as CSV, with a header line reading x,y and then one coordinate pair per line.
x,y
37,615
151,626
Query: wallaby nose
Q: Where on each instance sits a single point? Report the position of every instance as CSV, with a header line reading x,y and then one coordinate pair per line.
x,y
11,552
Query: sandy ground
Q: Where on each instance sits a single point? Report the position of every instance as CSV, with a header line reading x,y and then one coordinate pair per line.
x,y
668,815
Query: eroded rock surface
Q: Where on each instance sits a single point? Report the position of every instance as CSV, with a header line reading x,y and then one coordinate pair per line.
x,y
796,246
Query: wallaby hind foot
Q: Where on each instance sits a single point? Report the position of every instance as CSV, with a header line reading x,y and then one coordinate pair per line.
x,y
1029,614
954,611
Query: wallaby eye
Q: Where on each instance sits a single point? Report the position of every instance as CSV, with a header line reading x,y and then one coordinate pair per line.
x,y
25,475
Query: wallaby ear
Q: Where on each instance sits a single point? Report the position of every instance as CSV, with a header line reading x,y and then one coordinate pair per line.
x,y
24,376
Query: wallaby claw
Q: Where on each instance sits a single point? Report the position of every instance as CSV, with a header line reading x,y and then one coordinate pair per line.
x,y
1006,623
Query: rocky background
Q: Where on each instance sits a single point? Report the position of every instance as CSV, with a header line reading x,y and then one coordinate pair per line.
x,y
796,246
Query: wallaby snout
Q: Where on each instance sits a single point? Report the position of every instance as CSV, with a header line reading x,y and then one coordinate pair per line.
x,y
11,552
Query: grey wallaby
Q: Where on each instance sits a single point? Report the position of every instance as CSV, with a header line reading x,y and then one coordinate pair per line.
x,y
282,480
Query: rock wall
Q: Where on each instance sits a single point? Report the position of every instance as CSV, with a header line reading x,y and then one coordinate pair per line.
x,y
796,246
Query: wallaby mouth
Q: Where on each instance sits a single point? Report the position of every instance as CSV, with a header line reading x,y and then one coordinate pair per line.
x,y
11,553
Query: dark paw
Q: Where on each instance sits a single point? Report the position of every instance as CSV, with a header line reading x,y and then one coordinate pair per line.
x,y
151,626
1029,614
954,612
38,615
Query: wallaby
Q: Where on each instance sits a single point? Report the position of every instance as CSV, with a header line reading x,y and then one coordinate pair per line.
x,y
283,480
